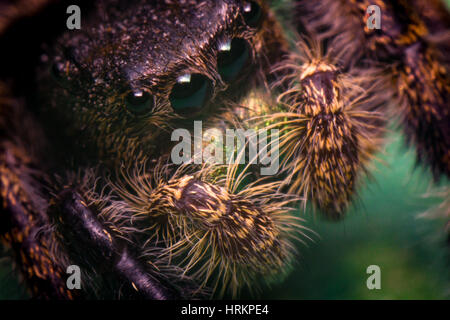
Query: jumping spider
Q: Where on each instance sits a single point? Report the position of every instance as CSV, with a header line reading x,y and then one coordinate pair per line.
x,y
87,116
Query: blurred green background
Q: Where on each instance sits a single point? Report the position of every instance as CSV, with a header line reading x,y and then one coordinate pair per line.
x,y
383,228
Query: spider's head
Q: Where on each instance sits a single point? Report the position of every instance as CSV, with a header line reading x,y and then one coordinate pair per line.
x,y
136,70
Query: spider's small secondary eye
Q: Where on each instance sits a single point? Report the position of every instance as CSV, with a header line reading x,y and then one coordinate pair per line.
x,y
57,71
232,58
139,102
252,14
190,93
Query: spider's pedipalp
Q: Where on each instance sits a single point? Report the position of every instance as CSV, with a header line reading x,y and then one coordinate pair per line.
x,y
330,123
219,231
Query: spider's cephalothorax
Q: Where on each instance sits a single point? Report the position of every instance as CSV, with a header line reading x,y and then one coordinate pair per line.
x,y
331,124
138,69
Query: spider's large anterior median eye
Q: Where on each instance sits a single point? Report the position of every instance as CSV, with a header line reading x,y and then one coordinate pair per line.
x,y
139,102
252,14
190,93
232,58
